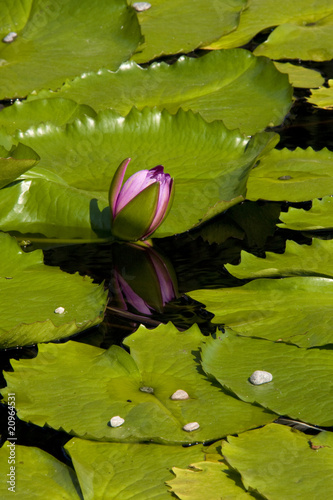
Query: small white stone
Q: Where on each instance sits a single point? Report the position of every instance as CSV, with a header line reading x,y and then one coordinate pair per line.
x,y
141,6
116,421
179,395
260,377
191,426
59,310
10,37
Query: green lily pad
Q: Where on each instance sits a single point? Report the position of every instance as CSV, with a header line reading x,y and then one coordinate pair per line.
x,y
24,114
300,77
297,260
298,175
323,97
15,162
260,15
207,480
42,204
302,40
102,34
14,15
279,462
287,309
302,378
320,216
244,91
193,23
94,385
103,467
74,192
36,474
32,293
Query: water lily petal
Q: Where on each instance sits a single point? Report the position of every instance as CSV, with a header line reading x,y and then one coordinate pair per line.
x,y
132,187
116,184
164,202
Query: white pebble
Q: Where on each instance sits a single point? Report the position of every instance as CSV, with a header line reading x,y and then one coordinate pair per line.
x,y
260,377
10,37
179,395
116,421
191,426
59,310
141,6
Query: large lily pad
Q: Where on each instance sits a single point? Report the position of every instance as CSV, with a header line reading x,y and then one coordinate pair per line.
x,y
296,310
103,467
23,114
280,462
193,24
42,204
298,175
31,293
15,162
69,190
262,14
36,474
297,260
302,40
302,378
244,91
95,35
94,385
320,216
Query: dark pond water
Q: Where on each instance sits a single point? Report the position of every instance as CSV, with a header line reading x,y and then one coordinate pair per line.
x,y
196,262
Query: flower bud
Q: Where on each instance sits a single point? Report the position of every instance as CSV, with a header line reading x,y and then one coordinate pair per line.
x,y
141,204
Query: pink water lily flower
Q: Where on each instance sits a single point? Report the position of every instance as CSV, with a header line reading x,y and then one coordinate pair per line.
x,y
141,204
